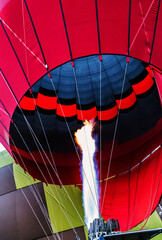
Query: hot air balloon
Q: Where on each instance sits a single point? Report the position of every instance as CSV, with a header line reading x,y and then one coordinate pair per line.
x,y
64,62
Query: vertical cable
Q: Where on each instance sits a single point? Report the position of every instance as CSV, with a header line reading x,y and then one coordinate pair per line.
x,y
100,126
67,36
98,30
129,23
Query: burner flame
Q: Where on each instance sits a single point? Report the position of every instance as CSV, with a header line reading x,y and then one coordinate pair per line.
x,y
86,142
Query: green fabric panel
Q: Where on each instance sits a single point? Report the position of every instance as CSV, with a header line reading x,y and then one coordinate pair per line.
x,y
62,213
154,222
22,179
86,232
5,159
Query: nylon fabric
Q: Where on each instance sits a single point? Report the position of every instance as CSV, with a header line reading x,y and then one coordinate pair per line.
x,y
7,180
40,56
22,178
61,211
144,183
6,159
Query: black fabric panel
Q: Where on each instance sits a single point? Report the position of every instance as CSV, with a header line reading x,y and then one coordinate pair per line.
x,y
106,122
86,106
46,111
47,92
67,235
136,235
106,107
25,112
64,101
68,119
31,94
17,221
139,78
145,64
7,182
124,94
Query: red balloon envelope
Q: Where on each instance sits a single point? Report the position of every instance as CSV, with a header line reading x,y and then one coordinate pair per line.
x,y
65,61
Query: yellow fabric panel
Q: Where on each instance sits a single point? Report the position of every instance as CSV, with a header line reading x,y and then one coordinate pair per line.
x,y
5,159
86,232
61,204
154,222
22,179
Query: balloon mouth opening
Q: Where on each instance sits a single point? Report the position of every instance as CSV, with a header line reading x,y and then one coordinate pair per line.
x,y
115,92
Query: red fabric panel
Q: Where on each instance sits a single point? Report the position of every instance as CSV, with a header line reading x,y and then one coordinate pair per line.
x,y
66,110
107,114
63,159
27,103
116,200
157,69
142,28
80,18
143,86
127,102
132,198
113,25
157,49
158,78
50,29
150,71
86,114
46,102
149,188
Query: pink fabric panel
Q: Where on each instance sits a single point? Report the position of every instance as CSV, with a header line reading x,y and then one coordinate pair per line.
x,y
81,25
7,98
113,25
22,36
4,118
49,25
12,71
